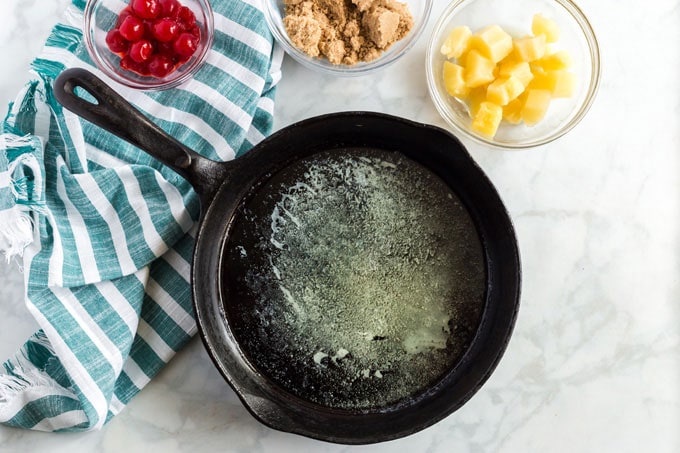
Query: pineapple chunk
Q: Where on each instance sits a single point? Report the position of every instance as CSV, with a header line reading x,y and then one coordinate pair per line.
x,y
492,42
536,69
535,106
478,69
453,80
518,69
541,25
456,42
530,48
488,118
542,81
560,84
503,90
555,61
475,99
512,112
564,85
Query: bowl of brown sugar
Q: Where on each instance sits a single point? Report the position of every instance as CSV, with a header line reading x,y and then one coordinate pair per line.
x,y
347,37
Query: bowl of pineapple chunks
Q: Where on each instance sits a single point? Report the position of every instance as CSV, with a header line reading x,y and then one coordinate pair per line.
x,y
513,73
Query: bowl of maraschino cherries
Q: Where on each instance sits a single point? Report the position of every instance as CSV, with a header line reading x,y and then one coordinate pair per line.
x,y
148,44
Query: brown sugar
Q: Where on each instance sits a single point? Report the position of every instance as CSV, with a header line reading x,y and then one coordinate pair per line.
x,y
346,31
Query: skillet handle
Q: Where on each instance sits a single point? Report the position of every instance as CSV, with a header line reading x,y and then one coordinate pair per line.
x,y
114,114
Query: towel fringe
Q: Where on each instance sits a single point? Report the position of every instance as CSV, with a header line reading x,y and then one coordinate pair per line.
x,y
16,232
18,179
20,373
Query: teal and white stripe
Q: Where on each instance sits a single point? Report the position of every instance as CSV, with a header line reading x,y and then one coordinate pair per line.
x,y
106,231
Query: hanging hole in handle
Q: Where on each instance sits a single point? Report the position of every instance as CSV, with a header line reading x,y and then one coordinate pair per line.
x,y
78,87
85,95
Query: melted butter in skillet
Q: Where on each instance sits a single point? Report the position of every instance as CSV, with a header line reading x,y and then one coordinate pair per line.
x,y
355,280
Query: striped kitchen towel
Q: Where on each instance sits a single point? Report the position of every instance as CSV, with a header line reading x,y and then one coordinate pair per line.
x,y
106,230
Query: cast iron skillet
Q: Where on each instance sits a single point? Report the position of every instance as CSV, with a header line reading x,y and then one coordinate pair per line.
x,y
222,187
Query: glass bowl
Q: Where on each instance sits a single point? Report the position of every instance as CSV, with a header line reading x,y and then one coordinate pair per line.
x,y
515,17
275,12
100,17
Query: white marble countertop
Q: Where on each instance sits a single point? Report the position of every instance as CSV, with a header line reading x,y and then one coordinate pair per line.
x,y
594,363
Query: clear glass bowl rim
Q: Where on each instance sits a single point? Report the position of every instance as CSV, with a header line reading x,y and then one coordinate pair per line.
x,y
152,84
343,70
593,85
